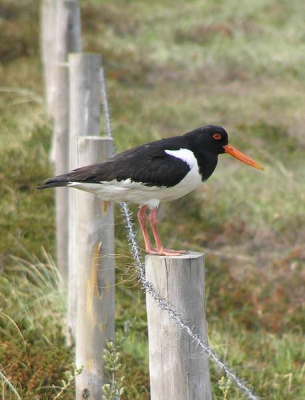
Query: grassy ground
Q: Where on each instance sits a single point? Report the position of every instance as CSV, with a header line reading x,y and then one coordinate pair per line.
x,y
171,66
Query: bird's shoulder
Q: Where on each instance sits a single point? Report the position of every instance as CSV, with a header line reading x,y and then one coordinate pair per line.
x,y
152,150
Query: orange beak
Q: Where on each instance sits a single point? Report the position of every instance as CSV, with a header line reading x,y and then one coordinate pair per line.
x,y
240,156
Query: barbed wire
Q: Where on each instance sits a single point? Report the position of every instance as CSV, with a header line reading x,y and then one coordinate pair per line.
x,y
148,287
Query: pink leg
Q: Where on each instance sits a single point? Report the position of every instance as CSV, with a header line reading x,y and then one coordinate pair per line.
x,y
160,249
142,220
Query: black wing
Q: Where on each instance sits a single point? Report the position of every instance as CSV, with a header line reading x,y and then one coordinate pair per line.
x,y
148,164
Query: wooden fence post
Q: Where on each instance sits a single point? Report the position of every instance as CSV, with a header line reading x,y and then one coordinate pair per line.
x,y
178,371
84,120
67,39
96,278
47,47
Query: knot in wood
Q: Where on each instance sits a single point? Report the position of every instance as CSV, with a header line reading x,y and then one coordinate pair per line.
x,y
86,394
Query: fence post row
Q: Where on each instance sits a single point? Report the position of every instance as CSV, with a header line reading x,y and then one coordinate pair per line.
x,y
84,121
96,277
177,369
67,31
85,236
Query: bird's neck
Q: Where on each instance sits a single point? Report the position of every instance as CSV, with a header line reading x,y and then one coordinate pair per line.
x,y
207,163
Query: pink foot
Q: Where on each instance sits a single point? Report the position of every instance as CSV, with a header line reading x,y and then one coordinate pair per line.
x,y
165,252
151,251
175,251
169,252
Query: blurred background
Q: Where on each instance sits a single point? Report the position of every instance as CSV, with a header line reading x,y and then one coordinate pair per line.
x,y
170,66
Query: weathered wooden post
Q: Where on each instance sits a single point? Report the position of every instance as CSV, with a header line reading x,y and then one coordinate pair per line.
x,y
84,121
178,371
47,45
95,275
67,39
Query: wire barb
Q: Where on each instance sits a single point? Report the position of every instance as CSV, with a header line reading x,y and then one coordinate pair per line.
x,y
148,287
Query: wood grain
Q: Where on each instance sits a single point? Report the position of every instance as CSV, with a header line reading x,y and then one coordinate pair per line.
x,y
177,370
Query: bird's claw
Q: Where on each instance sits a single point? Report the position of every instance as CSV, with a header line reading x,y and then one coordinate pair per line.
x,y
166,252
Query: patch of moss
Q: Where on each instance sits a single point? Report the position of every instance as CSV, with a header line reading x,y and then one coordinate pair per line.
x,y
34,366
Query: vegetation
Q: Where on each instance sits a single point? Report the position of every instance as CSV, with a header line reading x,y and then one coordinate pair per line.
x,y
171,66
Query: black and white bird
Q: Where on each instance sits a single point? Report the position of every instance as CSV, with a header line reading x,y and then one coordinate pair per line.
x,y
155,172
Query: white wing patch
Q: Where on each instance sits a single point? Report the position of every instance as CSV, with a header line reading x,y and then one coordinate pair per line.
x,y
185,155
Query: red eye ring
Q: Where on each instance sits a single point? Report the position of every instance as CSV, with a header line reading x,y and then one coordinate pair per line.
x,y
217,136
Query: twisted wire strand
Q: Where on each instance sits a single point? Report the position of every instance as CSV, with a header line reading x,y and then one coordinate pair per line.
x,y
148,287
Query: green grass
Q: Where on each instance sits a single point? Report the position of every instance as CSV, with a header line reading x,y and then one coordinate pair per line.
x,y
170,67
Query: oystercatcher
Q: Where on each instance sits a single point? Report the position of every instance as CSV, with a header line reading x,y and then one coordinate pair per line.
x,y
155,172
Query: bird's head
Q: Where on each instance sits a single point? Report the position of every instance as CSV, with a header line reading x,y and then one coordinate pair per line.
x,y
214,139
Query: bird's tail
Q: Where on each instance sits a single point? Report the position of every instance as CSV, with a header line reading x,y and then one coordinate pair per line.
x,y
56,181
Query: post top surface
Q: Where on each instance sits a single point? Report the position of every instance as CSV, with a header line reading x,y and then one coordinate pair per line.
x,y
91,137
187,256
81,56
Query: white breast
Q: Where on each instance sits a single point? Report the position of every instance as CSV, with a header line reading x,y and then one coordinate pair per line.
x,y
185,155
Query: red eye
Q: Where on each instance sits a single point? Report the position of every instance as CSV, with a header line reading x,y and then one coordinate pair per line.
x,y
217,136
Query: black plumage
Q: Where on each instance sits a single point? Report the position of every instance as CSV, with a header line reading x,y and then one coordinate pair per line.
x,y
149,164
